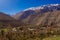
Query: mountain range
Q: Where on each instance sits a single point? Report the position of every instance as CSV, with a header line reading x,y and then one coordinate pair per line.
x,y
45,15
42,15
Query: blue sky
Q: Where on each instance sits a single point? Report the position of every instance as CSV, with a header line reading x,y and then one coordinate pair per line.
x,y
14,6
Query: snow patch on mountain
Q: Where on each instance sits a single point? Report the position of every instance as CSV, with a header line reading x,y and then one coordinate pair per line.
x,y
41,7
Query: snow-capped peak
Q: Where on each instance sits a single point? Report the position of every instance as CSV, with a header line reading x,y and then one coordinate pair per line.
x,y
41,7
54,4
32,8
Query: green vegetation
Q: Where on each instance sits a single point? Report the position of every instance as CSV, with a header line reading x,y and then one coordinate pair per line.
x,y
29,33
53,38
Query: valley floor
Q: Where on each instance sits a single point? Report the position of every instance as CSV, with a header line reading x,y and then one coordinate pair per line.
x,y
30,33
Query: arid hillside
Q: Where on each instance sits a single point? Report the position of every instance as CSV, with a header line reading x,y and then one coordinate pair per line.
x,y
45,15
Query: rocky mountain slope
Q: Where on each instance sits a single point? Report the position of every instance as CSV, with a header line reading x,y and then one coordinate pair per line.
x,y
43,15
4,16
6,20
